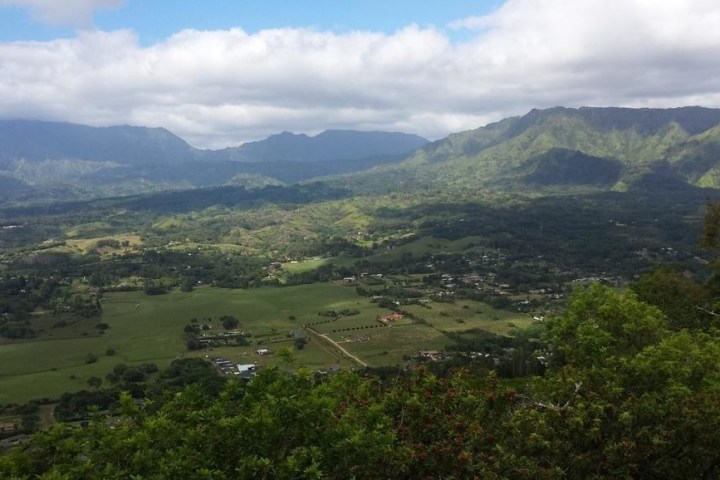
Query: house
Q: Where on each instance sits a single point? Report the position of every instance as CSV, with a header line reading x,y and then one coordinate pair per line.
x,y
386,319
262,351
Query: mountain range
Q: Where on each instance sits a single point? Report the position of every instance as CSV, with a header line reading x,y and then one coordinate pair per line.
x,y
50,160
559,148
602,148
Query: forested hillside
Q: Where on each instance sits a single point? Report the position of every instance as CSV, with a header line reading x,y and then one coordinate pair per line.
x,y
608,148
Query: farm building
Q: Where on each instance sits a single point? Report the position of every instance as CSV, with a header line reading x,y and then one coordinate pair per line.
x,y
387,319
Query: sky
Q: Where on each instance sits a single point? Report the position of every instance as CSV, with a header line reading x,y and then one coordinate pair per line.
x,y
222,72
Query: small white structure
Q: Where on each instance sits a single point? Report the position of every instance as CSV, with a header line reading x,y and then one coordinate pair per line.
x,y
246,370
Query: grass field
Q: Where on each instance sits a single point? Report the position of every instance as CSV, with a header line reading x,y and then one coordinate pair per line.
x,y
416,247
467,314
313,263
388,345
424,245
149,329
83,246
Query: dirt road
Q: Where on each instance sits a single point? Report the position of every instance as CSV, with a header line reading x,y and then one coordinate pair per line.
x,y
336,345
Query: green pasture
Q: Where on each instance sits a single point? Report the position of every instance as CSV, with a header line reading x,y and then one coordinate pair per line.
x,y
467,314
388,345
149,329
313,263
92,229
146,328
416,247
425,245
366,318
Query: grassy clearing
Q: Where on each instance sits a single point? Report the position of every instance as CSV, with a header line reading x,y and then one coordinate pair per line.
x,y
468,314
417,247
149,329
313,263
388,346
305,265
168,222
92,229
425,245
83,246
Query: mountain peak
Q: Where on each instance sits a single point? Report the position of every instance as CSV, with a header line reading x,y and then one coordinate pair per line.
x,y
326,146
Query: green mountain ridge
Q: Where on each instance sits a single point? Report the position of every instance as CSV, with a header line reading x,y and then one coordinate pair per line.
x,y
680,145
558,148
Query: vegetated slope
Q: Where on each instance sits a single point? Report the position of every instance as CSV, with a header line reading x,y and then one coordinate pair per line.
x,y
38,141
330,145
621,147
46,161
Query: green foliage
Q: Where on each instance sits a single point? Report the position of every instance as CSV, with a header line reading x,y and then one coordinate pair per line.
x,y
631,398
600,325
229,322
682,300
94,382
289,426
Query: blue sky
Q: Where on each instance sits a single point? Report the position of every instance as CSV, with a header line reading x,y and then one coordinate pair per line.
x,y
221,72
154,20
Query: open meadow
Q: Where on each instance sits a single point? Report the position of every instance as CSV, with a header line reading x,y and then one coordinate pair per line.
x,y
143,328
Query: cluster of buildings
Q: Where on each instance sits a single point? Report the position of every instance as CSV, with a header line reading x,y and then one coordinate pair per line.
x,y
228,367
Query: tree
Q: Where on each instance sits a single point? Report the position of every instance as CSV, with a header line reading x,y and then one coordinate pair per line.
x,y
229,322
711,225
682,300
628,398
286,355
300,343
600,325
94,382
133,375
29,423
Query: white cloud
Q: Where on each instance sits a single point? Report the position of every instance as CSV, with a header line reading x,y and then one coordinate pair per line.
x,y
217,88
72,13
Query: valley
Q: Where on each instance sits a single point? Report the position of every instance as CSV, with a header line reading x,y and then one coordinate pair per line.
x,y
508,260
457,269
328,240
